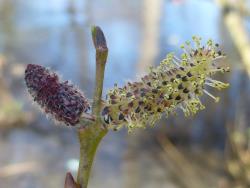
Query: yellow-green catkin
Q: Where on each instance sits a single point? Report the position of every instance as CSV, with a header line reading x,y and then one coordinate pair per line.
x,y
175,83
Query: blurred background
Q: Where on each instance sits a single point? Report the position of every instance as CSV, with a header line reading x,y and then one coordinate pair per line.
x,y
209,150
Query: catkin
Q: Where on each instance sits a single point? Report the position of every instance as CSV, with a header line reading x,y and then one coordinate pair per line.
x,y
175,83
60,99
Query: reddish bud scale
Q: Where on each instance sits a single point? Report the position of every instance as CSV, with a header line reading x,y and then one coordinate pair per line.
x,y
60,99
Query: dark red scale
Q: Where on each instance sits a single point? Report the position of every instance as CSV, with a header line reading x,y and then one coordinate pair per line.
x,y
60,99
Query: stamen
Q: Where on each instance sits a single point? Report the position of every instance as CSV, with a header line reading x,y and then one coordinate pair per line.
x,y
176,63
216,84
218,58
216,99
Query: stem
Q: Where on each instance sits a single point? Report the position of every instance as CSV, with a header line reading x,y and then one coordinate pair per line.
x,y
101,58
89,142
91,136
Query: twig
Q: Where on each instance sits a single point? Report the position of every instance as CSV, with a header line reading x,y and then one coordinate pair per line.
x,y
235,25
101,58
180,165
91,136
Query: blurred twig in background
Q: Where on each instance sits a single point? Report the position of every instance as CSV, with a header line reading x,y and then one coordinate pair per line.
x,y
152,10
238,162
238,5
179,165
234,23
237,150
18,168
10,112
186,169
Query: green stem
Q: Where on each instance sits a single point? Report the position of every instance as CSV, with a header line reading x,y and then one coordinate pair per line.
x,y
91,136
89,142
101,58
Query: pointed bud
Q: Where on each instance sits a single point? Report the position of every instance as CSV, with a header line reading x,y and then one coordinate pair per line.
x,y
100,46
70,182
99,38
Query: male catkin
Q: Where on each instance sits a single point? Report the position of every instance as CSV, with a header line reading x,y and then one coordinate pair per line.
x,y
175,83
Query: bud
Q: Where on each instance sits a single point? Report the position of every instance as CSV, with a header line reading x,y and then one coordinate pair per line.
x,y
99,38
70,182
175,83
60,99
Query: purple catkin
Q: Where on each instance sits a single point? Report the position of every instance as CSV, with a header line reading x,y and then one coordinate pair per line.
x,y
60,99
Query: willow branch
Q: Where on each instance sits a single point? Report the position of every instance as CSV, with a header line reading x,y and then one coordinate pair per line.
x,y
91,135
101,58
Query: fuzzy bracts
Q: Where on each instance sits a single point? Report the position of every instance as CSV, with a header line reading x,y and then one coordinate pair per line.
x,y
59,99
175,83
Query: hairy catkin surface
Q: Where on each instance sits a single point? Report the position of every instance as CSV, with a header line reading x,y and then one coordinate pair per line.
x,y
175,83
60,99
